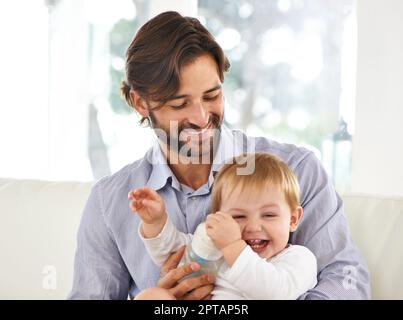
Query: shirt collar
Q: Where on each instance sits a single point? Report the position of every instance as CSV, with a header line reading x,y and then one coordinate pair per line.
x,y
231,143
161,172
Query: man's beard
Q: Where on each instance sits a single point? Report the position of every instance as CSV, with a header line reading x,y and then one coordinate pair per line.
x,y
186,141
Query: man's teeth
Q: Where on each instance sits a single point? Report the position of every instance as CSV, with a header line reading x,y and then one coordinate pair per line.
x,y
192,131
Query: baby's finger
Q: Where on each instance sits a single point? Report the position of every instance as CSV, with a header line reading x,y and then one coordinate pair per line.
x,y
136,205
140,193
223,216
151,193
211,218
211,223
219,217
130,195
146,193
135,194
133,205
149,203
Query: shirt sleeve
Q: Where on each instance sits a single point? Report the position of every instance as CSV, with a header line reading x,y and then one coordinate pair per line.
x,y
99,270
163,245
284,277
342,273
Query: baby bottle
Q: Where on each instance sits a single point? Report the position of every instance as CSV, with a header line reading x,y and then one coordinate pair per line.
x,y
203,251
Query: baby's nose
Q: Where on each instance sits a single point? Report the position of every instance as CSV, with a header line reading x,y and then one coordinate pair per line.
x,y
253,226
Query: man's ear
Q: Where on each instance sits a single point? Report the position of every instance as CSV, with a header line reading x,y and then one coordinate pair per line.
x,y
296,216
138,103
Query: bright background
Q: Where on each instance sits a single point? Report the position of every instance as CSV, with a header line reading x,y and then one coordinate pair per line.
x,y
327,75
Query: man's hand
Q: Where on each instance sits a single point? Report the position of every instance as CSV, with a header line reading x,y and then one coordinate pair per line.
x,y
222,229
149,205
194,288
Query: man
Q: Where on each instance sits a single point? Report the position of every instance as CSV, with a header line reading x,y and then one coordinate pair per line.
x,y
174,72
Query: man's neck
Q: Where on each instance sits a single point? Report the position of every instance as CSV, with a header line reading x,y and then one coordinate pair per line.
x,y
193,175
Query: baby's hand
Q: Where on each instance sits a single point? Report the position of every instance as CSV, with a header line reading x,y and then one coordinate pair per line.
x,y
222,229
149,205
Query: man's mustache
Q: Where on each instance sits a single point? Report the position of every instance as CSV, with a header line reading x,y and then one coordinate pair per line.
x,y
214,119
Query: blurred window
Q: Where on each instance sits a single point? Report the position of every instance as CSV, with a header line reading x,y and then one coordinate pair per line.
x,y
62,117
292,72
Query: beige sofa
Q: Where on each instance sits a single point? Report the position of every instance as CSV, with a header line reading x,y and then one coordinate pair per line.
x,y
39,222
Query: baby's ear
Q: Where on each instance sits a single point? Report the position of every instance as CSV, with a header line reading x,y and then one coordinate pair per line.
x,y
296,216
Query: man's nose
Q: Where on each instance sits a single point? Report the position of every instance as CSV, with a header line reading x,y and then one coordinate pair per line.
x,y
199,116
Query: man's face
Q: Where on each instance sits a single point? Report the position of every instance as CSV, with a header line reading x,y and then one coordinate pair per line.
x,y
194,115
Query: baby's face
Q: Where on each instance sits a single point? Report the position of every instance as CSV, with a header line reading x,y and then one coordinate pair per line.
x,y
264,217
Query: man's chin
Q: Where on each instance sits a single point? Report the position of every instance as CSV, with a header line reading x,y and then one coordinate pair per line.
x,y
197,152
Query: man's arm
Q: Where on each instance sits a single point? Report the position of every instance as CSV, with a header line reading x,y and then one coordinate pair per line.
x,y
343,274
99,271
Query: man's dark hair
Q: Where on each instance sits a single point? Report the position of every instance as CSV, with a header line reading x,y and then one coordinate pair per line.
x,y
159,50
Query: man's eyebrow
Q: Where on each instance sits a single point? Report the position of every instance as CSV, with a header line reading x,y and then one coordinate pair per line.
x,y
217,87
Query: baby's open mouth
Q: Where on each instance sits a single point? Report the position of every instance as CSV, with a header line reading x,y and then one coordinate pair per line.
x,y
257,245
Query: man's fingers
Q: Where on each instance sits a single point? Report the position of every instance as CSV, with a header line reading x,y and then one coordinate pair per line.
x,y
173,276
173,261
187,285
201,293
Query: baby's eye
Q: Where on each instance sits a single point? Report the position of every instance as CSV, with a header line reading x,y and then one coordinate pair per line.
x,y
238,217
269,215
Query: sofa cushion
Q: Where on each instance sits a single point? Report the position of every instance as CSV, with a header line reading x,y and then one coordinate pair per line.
x,y
376,225
39,222
40,219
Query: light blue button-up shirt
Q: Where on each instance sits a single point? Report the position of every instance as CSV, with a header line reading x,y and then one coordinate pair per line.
x,y
112,263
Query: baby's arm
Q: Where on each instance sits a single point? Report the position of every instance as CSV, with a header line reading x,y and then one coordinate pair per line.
x,y
225,232
165,243
286,276
160,236
150,207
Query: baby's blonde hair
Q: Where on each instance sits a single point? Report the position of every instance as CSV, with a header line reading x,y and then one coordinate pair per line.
x,y
269,170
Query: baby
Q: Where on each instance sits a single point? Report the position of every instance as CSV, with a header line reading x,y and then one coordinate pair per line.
x,y
251,220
